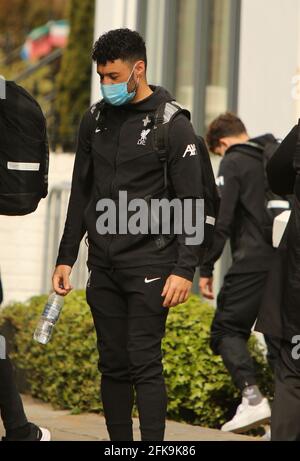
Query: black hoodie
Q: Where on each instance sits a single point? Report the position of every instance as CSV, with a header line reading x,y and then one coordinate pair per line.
x,y
241,216
118,155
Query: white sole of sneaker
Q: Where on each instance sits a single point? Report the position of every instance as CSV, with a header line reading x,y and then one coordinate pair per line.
x,y
250,426
46,435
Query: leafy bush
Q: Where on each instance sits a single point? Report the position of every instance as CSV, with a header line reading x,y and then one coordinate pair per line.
x,y
64,372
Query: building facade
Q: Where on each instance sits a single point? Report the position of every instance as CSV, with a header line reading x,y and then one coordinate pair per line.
x,y
212,55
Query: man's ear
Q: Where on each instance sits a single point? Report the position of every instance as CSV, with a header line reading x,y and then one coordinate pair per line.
x,y
140,69
224,142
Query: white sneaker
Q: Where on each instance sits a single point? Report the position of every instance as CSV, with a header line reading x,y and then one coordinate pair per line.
x,y
46,435
248,416
267,436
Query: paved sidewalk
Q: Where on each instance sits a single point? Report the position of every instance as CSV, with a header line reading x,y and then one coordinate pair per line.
x,y
90,427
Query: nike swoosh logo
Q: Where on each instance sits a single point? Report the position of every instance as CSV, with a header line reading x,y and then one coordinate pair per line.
x,y
97,131
151,280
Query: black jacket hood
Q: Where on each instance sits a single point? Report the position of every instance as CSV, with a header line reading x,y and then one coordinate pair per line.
x,y
262,141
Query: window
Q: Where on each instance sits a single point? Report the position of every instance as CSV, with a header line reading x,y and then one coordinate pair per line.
x,y
207,57
185,52
222,59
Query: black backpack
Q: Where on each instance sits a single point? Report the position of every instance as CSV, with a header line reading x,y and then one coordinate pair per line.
x,y
274,204
163,117
24,153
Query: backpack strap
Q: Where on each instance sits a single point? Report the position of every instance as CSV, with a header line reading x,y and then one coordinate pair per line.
x,y
160,140
98,112
265,151
2,88
208,179
165,113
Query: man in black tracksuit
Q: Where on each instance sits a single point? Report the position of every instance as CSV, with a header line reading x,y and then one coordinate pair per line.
x,y
241,218
132,282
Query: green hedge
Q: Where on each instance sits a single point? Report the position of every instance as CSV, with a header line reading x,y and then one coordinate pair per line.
x,y
64,372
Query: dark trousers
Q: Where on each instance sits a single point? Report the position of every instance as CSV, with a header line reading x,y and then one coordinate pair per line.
x,y
285,423
11,407
130,324
238,304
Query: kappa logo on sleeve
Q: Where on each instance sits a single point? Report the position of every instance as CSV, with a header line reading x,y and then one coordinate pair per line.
x,y
191,149
220,181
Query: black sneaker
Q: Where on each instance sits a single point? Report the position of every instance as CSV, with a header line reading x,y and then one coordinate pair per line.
x,y
36,434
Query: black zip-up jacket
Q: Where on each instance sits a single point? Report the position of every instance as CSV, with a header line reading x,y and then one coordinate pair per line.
x,y
241,216
120,156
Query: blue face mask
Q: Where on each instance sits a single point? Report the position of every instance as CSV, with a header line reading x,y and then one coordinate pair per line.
x,y
117,93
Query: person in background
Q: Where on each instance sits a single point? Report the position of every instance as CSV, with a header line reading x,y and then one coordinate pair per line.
x,y
284,178
241,219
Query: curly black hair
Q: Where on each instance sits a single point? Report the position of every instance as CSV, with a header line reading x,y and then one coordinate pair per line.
x,y
124,44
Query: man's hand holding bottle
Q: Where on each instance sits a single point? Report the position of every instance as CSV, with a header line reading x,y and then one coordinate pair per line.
x,y
61,280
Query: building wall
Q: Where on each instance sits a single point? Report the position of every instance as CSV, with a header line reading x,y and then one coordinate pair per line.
x,y
22,240
269,59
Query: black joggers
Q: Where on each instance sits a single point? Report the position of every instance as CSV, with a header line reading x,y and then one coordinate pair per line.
x,y
238,305
129,317
11,407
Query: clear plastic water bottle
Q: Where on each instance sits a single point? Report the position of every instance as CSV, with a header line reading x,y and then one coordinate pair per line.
x,y
49,318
